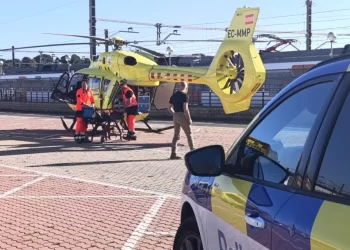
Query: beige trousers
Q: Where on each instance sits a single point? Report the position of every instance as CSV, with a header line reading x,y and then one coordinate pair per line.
x,y
180,121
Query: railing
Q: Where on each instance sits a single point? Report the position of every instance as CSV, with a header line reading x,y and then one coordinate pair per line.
x,y
39,90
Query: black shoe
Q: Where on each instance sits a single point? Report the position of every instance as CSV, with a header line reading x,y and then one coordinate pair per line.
x,y
86,140
83,139
130,136
76,137
174,157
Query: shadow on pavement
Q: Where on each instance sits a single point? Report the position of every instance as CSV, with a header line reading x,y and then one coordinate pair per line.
x,y
70,164
38,145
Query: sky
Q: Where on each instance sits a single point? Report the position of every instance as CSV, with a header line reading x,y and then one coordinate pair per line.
x,y
24,22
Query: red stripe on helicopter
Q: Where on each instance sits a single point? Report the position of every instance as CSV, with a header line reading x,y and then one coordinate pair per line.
x,y
249,19
189,78
158,75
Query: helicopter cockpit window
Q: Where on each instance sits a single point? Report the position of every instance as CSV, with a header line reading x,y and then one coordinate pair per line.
x,y
74,85
94,84
106,84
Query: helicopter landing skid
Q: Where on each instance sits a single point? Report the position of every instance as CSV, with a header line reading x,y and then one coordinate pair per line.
x,y
65,125
150,129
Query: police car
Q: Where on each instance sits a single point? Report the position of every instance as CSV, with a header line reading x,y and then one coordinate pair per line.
x,y
285,182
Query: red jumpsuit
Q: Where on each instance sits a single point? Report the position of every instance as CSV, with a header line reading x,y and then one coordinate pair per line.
x,y
83,97
131,106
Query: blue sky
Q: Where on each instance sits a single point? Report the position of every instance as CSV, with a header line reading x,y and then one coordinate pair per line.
x,y
23,22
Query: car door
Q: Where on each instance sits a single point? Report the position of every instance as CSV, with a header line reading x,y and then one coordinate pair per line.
x,y
318,215
261,166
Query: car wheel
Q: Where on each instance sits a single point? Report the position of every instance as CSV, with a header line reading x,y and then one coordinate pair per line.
x,y
187,236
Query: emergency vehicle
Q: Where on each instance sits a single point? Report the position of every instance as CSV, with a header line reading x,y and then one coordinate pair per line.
x,y
297,199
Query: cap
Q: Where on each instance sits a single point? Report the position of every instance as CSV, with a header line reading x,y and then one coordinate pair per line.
x,y
123,81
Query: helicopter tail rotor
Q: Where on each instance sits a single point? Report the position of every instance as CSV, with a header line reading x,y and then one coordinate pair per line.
x,y
237,71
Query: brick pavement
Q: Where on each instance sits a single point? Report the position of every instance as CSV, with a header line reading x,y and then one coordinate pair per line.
x,y
55,194
61,213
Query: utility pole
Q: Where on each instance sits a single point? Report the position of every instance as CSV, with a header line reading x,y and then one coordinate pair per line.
x,y
92,22
41,57
106,36
158,26
308,23
13,56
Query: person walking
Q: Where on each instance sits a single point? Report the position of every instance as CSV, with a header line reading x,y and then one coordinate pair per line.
x,y
178,106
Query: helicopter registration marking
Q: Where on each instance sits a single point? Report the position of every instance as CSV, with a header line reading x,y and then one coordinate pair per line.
x,y
238,33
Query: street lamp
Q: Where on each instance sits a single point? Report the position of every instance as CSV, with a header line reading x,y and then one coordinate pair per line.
x,y
169,50
331,38
1,65
67,57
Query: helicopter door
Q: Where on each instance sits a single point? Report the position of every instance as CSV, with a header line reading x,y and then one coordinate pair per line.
x,y
60,91
163,93
95,86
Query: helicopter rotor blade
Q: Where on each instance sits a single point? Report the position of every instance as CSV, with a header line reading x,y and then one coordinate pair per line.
x,y
46,45
204,40
152,52
207,40
82,36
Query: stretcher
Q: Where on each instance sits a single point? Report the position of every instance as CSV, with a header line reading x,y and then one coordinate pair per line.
x,y
108,120
111,122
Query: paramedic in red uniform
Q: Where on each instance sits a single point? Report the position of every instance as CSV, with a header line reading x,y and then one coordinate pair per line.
x,y
85,98
131,108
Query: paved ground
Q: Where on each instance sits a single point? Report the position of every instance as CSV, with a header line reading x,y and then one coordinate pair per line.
x,y
55,194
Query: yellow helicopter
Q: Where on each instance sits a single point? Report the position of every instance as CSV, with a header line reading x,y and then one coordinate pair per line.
x,y
234,75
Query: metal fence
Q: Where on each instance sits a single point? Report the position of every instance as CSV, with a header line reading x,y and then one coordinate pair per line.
x,y
39,90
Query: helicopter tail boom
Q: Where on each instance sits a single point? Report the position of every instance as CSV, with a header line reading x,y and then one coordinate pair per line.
x,y
177,74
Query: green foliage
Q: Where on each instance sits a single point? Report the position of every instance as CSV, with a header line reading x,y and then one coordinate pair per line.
x,y
45,59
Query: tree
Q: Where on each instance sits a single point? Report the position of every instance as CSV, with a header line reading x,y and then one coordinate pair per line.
x,y
27,62
8,63
86,61
63,59
45,58
75,59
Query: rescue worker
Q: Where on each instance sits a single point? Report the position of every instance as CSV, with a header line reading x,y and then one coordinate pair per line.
x,y
85,98
178,106
130,107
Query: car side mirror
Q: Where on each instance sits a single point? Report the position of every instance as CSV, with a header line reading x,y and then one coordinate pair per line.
x,y
206,161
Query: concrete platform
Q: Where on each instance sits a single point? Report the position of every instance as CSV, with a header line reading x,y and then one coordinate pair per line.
x,y
55,194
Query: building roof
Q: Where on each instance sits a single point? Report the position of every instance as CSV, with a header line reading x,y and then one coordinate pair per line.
x,y
332,66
